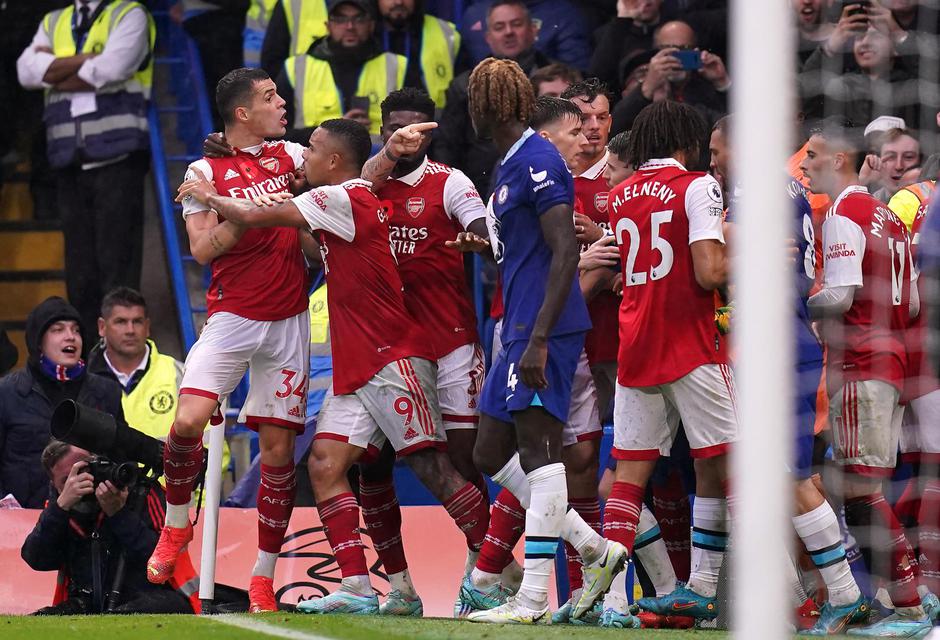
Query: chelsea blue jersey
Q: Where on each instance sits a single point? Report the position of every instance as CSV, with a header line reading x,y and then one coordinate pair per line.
x,y
529,181
807,346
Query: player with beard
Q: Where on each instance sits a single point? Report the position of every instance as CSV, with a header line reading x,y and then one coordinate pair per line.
x,y
427,204
591,189
384,377
257,320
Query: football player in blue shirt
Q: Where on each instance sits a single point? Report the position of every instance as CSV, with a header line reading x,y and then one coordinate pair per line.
x,y
816,522
527,393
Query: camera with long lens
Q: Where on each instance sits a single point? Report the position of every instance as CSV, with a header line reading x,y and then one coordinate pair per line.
x,y
121,474
110,440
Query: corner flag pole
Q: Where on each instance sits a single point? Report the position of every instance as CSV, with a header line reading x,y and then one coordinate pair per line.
x,y
210,521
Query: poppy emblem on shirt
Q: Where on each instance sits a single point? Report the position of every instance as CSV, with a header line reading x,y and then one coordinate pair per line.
x,y
600,201
270,165
414,206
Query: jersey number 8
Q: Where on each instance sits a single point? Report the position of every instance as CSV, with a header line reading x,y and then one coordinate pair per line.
x,y
629,234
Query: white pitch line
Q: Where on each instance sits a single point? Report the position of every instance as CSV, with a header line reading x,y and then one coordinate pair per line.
x,y
259,626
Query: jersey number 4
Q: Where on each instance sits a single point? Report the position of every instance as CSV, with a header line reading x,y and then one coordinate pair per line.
x,y
628,235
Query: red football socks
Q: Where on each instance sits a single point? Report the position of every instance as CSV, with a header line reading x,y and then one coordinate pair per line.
x,y
382,515
622,513
275,503
507,524
182,463
886,549
929,535
471,513
340,518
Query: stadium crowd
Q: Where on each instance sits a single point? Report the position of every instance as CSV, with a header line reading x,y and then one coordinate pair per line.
x,y
584,149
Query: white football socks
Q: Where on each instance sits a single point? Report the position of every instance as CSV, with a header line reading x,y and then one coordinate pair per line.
x,y
709,541
543,523
264,565
177,515
819,530
401,581
650,550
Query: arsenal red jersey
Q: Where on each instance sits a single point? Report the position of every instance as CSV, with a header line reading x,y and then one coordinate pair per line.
x,y
601,342
667,321
369,324
866,245
428,207
921,378
264,276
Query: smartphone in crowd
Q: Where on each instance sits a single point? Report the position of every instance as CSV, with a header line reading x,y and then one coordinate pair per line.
x,y
690,59
359,102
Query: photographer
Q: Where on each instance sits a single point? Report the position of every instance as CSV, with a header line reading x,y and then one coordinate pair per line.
x,y
54,372
82,532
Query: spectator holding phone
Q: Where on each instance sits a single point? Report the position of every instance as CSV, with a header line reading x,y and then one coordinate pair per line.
x,y
681,72
344,74
857,72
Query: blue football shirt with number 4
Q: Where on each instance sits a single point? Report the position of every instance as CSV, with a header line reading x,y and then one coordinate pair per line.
x,y
530,180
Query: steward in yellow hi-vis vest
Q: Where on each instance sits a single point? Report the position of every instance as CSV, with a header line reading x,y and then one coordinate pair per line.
x,y
430,44
344,74
256,23
118,123
907,201
150,396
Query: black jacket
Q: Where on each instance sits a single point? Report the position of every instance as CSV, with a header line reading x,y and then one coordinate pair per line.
x,y
64,540
455,142
25,412
345,63
697,92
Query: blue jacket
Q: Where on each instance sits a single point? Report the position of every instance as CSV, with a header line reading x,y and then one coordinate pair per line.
x,y
563,33
25,412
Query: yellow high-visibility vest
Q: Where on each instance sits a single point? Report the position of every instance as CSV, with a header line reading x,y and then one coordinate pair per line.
x,y
256,23
439,43
58,27
306,21
316,97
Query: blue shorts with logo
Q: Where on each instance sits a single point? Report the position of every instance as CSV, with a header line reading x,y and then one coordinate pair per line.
x,y
504,392
806,385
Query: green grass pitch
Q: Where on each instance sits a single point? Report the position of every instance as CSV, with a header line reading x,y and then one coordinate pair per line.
x,y
305,627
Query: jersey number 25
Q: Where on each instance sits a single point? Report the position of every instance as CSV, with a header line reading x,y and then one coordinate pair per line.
x,y
628,235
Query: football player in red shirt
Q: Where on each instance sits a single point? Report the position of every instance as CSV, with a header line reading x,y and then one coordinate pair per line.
x,y
428,203
384,375
257,320
591,190
667,221
867,302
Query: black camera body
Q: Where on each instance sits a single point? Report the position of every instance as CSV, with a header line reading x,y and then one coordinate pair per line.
x,y
122,475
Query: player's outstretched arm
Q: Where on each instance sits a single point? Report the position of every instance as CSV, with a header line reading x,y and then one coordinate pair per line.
x,y
559,235
249,214
403,142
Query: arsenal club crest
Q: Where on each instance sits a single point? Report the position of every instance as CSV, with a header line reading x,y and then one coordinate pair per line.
x,y
271,165
414,206
600,201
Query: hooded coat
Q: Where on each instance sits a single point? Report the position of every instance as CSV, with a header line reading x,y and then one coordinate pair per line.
x,y
27,400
